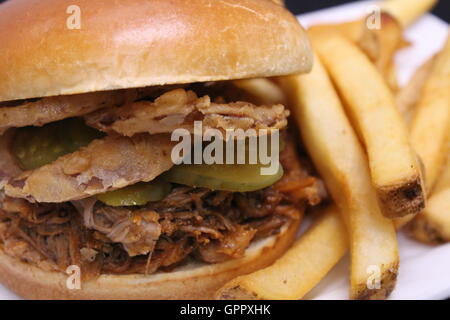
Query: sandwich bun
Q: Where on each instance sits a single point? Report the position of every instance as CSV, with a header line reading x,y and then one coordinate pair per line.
x,y
138,43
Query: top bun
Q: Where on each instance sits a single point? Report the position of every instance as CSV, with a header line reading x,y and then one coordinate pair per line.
x,y
137,43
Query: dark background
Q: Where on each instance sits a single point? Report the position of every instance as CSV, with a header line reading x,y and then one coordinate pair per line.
x,y
301,6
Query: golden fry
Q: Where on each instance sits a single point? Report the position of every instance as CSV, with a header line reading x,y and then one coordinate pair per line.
x,y
430,127
380,45
408,96
264,90
394,166
390,38
342,163
433,225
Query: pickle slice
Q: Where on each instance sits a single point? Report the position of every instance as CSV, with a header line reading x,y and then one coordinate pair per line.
x,y
34,147
227,177
137,194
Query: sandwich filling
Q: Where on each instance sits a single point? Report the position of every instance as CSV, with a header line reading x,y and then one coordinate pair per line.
x,y
88,180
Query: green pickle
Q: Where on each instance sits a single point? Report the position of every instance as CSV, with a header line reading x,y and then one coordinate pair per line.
x,y
228,177
137,194
37,146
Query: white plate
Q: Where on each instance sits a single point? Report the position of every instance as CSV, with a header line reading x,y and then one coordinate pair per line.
x,y
424,270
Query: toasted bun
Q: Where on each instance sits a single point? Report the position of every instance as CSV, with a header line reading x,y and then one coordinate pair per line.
x,y
137,43
194,281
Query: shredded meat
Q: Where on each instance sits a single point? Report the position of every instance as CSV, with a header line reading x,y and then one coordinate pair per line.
x,y
232,245
178,108
137,230
105,164
189,223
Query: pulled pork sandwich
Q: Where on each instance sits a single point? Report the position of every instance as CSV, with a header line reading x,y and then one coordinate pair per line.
x,y
86,174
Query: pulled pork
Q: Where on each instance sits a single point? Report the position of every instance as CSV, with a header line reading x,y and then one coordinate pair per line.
x,y
190,223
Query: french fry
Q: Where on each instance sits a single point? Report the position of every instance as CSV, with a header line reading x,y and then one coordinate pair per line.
x,y
430,127
433,225
430,135
444,179
394,166
264,90
391,77
407,11
300,269
342,163
379,44
369,43
355,31
408,96
390,38
352,30
431,122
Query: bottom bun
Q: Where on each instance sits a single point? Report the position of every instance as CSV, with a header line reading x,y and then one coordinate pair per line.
x,y
191,281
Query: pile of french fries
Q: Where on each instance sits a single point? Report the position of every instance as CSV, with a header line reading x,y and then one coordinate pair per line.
x,y
383,153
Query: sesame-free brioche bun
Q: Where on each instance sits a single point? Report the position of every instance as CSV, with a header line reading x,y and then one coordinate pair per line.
x,y
137,43
193,281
